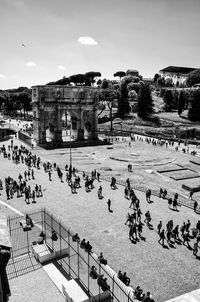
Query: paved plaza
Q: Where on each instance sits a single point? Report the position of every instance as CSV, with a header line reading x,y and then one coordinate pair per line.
x,y
165,272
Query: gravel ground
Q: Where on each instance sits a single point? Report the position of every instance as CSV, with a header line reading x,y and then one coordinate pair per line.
x,y
166,273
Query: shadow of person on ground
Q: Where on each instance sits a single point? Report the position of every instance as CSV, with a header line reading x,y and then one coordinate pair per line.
x,y
171,244
178,241
150,226
164,246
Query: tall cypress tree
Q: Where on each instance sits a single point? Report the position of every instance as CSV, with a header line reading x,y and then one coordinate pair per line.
x,y
181,103
145,102
168,100
123,101
194,106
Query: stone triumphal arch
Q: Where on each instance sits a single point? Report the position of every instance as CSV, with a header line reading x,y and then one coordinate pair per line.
x,y
51,103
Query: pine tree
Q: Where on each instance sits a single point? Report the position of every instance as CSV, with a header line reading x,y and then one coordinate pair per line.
x,y
145,102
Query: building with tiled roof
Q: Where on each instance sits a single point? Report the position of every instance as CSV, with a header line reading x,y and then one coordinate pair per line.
x,y
177,74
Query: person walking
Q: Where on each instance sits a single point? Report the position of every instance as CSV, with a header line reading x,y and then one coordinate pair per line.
x,y
33,196
159,227
148,195
147,218
191,194
109,204
37,190
162,237
99,192
32,174
128,218
195,206
40,190
175,203
50,175
175,233
169,235
186,238
195,249
182,229
139,228
169,202
187,228
139,213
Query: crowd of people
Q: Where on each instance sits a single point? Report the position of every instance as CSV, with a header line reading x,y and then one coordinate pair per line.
x,y
180,235
20,186
163,142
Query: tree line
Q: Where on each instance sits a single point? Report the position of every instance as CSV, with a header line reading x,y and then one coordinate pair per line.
x,y
183,100
130,93
14,101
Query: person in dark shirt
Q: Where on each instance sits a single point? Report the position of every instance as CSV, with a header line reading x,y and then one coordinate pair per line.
x,y
83,243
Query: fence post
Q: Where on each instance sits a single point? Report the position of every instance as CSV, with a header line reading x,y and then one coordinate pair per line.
x,y
27,242
45,223
69,252
113,286
78,260
88,272
128,296
60,241
52,230
97,279
9,226
42,211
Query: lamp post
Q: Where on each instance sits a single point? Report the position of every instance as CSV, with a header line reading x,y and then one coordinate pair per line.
x,y
70,150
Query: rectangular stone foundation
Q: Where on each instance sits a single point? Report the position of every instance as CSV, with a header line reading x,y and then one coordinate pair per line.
x,y
195,161
191,188
182,174
170,168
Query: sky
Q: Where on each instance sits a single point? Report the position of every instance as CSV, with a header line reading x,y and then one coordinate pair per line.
x,y
44,40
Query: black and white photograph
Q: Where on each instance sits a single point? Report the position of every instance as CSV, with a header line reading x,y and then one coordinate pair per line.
x,y
99,151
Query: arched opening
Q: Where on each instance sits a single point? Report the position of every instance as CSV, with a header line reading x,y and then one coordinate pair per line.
x,y
69,123
87,129
49,132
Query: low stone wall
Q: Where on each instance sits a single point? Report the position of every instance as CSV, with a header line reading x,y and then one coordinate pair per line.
x,y
25,138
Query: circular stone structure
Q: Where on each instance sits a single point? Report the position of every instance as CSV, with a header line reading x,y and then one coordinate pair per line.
x,y
139,155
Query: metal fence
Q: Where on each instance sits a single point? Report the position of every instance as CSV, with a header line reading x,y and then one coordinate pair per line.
x,y
25,138
76,265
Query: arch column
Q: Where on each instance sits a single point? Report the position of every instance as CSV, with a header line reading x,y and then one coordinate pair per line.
x,y
58,128
41,127
80,127
93,134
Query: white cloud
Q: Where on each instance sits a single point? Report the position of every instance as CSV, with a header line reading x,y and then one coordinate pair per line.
x,y
61,67
31,64
87,40
2,76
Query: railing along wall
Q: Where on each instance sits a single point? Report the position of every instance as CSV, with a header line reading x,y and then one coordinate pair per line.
x,y
77,265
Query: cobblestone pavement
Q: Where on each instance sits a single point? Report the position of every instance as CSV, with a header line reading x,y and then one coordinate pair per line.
x,y
165,272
